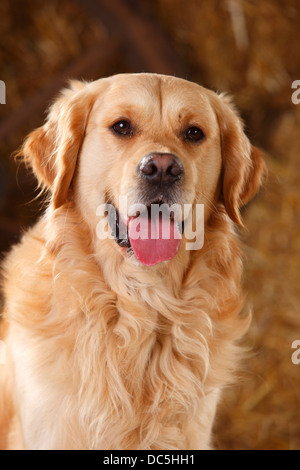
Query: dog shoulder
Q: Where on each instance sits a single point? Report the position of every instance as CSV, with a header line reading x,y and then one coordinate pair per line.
x,y
21,270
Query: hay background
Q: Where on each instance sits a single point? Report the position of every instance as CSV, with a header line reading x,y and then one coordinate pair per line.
x,y
250,49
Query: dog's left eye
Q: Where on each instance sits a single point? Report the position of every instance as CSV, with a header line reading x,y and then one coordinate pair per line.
x,y
122,127
194,134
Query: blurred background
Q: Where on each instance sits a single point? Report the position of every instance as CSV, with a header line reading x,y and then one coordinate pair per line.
x,y
248,48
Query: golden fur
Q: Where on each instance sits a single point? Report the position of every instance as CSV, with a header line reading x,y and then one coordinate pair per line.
x,y
105,353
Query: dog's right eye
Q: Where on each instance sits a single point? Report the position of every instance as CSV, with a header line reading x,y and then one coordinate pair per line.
x,y
122,127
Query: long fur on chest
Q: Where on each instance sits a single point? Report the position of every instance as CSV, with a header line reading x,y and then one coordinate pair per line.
x,y
128,356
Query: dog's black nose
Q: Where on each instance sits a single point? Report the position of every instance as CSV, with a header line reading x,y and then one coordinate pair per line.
x,y
161,168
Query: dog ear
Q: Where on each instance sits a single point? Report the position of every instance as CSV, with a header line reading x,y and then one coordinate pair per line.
x,y
52,150
243,167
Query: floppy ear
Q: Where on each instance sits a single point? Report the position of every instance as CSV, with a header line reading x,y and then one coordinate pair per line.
x,y
51,150
243,168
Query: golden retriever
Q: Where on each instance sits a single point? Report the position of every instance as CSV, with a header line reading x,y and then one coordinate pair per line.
x,y
126,343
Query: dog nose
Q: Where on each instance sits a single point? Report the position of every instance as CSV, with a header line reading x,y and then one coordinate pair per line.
x,y
161,168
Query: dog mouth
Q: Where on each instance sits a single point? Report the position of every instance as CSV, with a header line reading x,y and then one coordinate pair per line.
x,y
152,233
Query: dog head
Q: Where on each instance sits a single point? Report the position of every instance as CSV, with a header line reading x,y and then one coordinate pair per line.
x,y
147,140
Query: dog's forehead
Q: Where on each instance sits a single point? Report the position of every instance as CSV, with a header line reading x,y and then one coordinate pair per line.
x,y
146,91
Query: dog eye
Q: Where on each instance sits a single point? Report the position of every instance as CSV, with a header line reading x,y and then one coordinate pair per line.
x,y
194,134
122,127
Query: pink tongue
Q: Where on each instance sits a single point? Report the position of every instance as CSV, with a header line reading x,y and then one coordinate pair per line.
x,y
153,241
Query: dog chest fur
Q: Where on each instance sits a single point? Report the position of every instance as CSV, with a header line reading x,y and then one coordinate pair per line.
x,y
83,355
